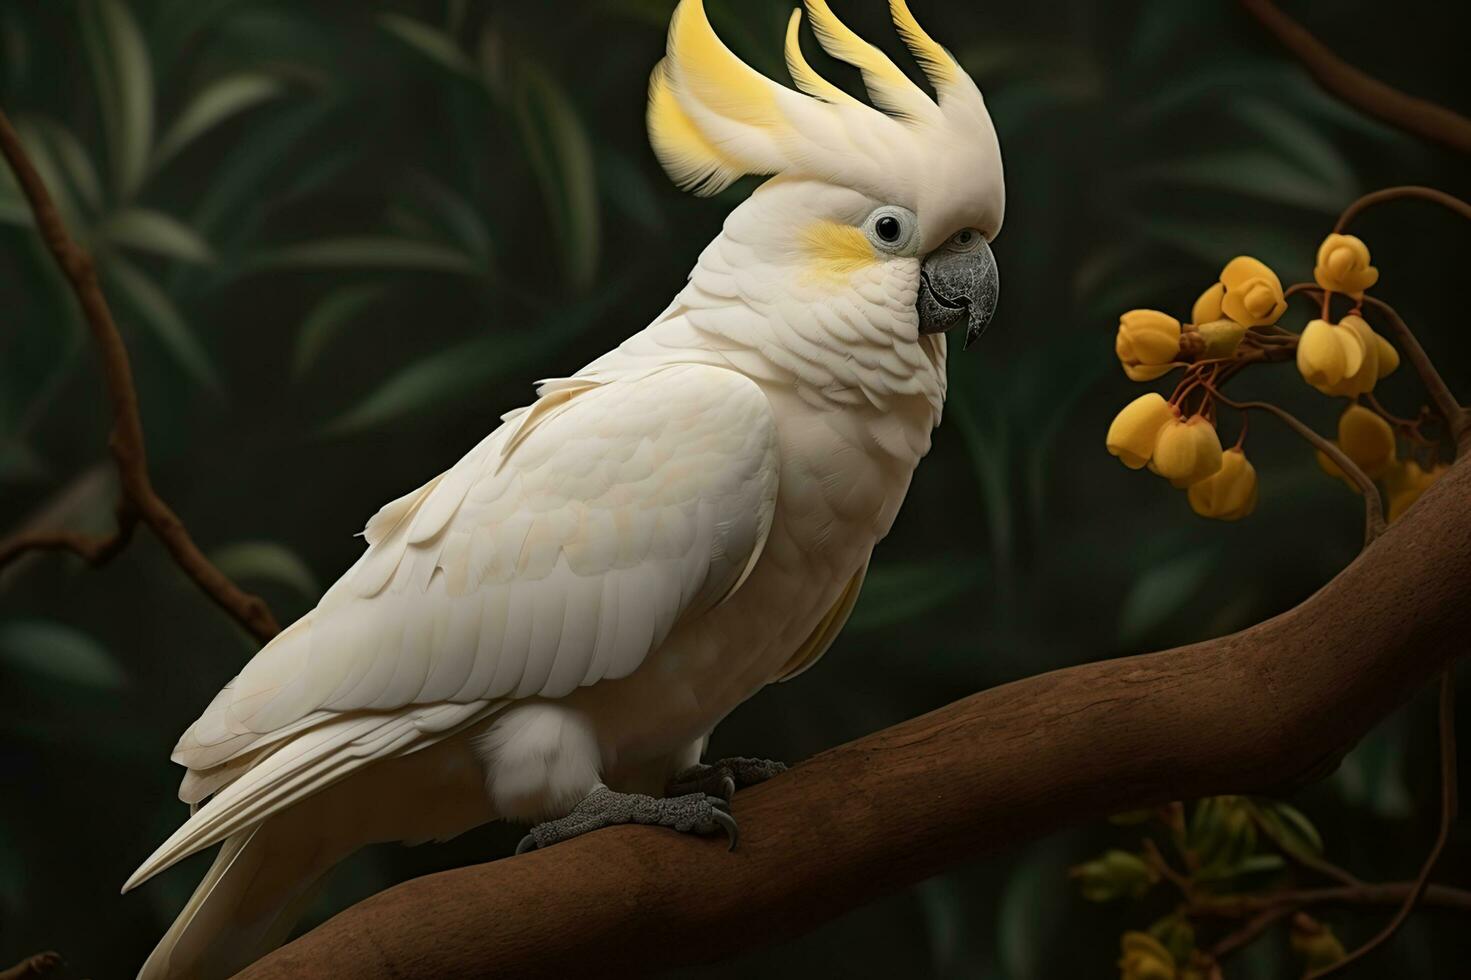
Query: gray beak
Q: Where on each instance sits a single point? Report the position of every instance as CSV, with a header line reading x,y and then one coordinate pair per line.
x,y
958,286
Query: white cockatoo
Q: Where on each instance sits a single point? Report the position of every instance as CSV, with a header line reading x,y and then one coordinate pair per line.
x,y
550,629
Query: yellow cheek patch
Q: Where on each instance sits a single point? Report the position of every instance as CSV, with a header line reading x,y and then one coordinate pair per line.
x,y
836,251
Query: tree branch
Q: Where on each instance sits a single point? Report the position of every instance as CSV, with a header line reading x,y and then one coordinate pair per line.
x,y
1416,116
140,502
1248,713
32,966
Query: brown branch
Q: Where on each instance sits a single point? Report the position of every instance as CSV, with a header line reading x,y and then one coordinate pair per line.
x,y
1248,933
1248,713
1458,418
1373,507
1340,896
1416,116
140,502
1374,198
32,966
1448,808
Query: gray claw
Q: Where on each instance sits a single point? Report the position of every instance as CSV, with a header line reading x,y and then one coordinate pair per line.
x,y
528,843
727,787
728,824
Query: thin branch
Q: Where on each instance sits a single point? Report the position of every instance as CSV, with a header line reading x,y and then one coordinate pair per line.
x,y
1248,933
140,502
1239,714
1373,506
1416,116
1363,895
1448,808
1457,417
1408,191
32,966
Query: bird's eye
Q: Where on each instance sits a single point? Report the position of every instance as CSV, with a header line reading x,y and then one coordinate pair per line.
x,y
965,240
892,229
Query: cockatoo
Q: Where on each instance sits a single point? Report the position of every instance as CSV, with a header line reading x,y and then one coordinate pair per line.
x,y
550,629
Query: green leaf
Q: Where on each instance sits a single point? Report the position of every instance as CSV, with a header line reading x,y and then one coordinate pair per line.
x,y
163,318
1301,142
560,152
156,232
59,652
900,591
1255,173
446,376
124,78
267,561
371,252
327,320
1299,829
1161,592
429,41
74,160
221,99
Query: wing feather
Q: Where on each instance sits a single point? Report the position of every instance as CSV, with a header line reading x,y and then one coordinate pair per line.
x,y
531,570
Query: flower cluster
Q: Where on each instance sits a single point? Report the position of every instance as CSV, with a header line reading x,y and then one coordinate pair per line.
x,y
1233,325
1220,857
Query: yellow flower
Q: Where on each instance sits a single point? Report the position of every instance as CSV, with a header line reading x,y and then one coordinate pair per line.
x,y
1208,307
1253,296
1134,431
1366,439
1187,451
1343,266
1361,381
1229,495
1327,354
1406,482
1148,342
1145,958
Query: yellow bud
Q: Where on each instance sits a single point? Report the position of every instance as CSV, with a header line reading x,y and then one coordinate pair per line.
x,y
1135,430
1208,307
1326,355
1253,296
1148,342
1343,266
1221,337
1315,942
1388,357
1145,958
1230,494
1361,380
1367,440
1187,451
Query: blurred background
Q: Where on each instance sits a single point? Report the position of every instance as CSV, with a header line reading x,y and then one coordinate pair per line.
x,y
342,237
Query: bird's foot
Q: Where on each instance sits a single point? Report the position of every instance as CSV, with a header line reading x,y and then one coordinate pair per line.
x,y
724,777
690,813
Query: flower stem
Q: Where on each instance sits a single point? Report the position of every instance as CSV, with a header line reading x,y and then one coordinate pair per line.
x,y
1456,417
1399,194
1373,506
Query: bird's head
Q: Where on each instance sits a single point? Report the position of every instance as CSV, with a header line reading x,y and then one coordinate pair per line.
x,y
900,198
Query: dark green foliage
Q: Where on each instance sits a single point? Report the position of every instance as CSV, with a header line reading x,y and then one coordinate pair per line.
x,y
341,238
